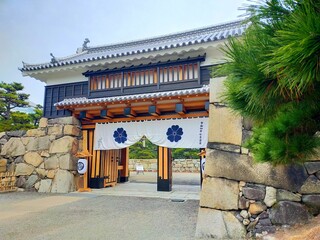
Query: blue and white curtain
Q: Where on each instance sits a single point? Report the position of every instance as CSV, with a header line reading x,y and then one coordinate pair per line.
x,y
174,133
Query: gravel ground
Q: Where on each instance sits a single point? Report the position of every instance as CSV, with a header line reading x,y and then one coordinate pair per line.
x,y
103,217
13,197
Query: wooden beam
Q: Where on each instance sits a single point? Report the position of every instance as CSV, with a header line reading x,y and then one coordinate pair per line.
x,y
82,114
154,111
206,106
85,116
123,119
106,114
129,112
165,163
90,126
180,109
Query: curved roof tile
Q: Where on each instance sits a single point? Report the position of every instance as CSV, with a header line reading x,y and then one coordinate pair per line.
x,y
84,100
197,36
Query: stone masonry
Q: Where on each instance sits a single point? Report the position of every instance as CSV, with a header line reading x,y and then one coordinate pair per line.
x,y
242,199
178,165
43,159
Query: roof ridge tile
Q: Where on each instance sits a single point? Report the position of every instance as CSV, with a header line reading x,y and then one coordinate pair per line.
x,y
168,41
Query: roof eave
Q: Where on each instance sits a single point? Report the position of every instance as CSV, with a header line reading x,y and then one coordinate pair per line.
x,y
121,59
67,103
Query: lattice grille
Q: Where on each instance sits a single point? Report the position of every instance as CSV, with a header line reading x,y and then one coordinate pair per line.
x,y
7,182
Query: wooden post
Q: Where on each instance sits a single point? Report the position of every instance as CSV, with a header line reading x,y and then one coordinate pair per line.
x,y
124,166
164,182
83,180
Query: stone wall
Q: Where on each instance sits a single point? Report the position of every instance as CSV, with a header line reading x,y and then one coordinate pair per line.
x,y
186,165
178,165
149,165
241,198
43,159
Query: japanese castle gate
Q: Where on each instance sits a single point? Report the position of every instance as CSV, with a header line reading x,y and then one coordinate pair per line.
x,y
157,88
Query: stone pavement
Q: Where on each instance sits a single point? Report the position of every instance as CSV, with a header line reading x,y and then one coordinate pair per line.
x,y
178,178
101,214
95,217
147,190
186,186
13,209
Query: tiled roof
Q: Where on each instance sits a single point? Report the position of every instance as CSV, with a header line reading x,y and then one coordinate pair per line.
x,y
84,100
187,38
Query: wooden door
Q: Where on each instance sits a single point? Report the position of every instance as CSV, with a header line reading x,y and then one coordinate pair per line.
x,y
103,165
109,162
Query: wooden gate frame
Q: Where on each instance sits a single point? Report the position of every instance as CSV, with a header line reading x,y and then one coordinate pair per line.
x,y
103,165
164,176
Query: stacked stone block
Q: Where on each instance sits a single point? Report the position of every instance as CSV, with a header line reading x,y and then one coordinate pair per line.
x,y
248,199
149,165
43,159
178,165
186,165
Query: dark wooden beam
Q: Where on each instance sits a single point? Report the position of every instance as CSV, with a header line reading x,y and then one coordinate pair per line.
x,y
180,109
129,112
154,111
106,114
206,106
85,116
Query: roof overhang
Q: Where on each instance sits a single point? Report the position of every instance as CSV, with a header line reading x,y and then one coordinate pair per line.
x,y
161,105
45,73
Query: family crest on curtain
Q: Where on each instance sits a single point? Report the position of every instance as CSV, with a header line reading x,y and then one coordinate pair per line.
x,y
173,133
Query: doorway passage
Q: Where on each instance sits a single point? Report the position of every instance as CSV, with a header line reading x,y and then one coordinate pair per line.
x,y
109,167
144,154
185,165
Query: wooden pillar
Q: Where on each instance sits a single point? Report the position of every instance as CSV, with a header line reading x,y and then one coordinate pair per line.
x,y
85,147
84,179
164,181
124,165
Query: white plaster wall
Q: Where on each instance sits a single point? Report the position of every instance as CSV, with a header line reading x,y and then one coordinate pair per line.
x,y
67,78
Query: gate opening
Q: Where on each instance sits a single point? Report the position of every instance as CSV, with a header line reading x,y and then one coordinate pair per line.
x,y
177,166
143,165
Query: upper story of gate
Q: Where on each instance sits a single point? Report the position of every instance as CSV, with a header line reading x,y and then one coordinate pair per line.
x,y
172,62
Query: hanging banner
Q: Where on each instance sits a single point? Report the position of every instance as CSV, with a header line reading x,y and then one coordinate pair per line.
x,y
117,135
173,133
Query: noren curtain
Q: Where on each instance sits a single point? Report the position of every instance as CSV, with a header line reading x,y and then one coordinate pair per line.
x,y
173,133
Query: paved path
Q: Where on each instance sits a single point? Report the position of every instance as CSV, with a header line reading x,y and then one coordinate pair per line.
x,y
25,207
186,186
148,190
177,178
93,216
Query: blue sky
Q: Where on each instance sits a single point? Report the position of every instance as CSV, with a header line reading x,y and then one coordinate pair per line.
x,y
32,29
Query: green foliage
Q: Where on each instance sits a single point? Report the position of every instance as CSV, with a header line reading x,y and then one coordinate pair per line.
x,y
36,115
11,98
183,153
149,151
138,151
274,79
289,137
17,121
295,59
